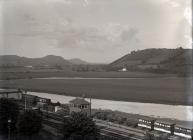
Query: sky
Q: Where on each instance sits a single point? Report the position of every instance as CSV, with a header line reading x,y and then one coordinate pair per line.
x,y
98,31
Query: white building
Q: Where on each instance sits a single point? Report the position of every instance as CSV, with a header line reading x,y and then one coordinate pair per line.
x,y
123,69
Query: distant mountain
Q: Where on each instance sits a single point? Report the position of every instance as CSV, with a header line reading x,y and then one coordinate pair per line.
x,y
50,60
78,61
148,60
158,60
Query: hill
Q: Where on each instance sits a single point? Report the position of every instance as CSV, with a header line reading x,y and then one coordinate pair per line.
x,y
78,61
47,61
155,60
149,60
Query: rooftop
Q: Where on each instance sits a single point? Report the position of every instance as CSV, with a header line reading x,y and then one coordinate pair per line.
x,y
7,91
146,118
164,122
188,125
79,101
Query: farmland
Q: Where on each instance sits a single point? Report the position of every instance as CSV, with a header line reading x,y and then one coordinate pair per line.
x,y
28,74
171,90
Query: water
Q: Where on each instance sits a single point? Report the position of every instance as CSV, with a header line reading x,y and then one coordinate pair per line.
x,y
75,78
102,78
179,112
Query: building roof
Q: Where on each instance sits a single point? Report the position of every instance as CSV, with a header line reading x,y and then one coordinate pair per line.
x,y
79,101
9,91
164,122
188,125
146,118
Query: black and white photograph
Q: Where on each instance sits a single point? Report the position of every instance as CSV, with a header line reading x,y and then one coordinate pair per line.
x,y
96,70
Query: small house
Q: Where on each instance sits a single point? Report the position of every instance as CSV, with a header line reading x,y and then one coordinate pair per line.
x,y
79,105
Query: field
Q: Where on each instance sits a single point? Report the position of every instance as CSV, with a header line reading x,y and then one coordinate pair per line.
x,y
152,90
13,74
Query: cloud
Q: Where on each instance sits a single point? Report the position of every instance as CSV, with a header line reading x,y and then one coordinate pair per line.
x,y
188,15
110,26
63,32
85,3
178,3
95,37
129,34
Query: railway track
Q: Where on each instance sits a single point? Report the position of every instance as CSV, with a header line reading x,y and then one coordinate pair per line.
x,y
55,121
137,136
52,116
53,124
105,132
120,128
106,128
119,136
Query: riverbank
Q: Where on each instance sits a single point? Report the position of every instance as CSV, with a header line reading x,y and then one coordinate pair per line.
x,y
183,113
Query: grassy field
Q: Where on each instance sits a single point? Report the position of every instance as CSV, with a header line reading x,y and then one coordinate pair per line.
x,y
152,90
53,73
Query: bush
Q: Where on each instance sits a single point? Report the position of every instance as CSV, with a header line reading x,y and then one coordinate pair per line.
x,y
29,123
79,124
9,110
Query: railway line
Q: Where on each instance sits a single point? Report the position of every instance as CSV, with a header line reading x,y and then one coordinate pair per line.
x,y
55,125
121,134
55,121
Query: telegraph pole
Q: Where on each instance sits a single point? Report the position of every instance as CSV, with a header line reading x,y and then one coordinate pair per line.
x,y
25,100
90,107
9,129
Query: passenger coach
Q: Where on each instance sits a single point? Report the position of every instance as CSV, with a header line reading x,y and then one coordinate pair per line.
x,y
183,131
164,126
146,123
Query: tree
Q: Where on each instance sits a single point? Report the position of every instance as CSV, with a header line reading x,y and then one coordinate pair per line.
x,y
29,123
75,137
79,126
164,137
9,110
148,136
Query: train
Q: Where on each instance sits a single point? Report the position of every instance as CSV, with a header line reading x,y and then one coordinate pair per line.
x,y
167,127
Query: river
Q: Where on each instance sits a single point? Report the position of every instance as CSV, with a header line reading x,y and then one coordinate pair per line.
x,y
179,112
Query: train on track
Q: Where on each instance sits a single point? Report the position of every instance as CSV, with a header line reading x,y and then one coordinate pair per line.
x,y
167,127
148,123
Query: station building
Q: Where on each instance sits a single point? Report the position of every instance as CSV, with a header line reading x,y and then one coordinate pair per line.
x,y
79,105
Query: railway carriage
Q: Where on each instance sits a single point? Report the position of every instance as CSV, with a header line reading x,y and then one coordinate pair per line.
x,y
43,100
164,126
183,131
146,123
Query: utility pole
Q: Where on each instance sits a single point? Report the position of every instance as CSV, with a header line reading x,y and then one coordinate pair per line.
x,y
9,129
90,107
25,93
